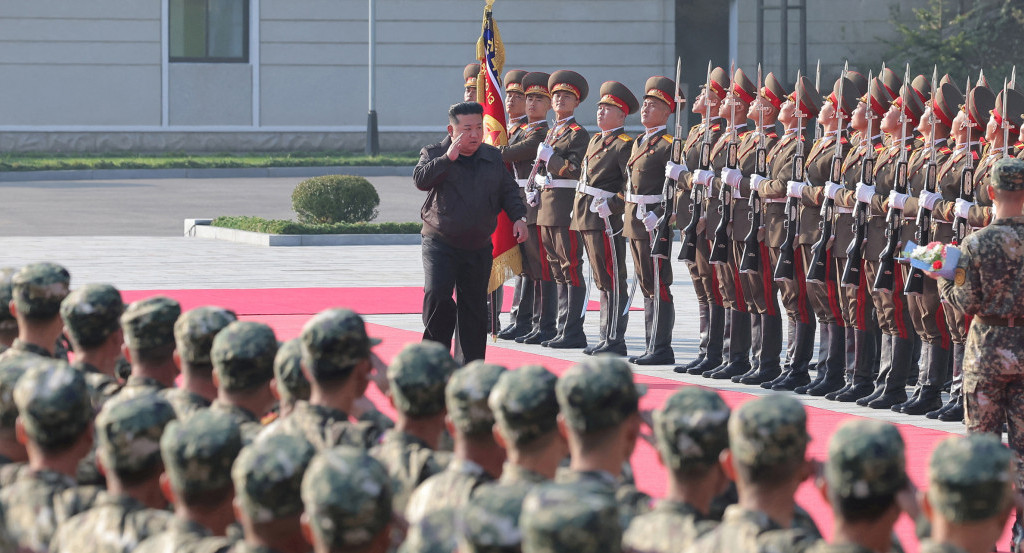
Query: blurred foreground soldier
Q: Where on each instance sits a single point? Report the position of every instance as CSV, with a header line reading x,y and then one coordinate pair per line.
x,y
37,291
12,452
194,332
478,457
91,316
268,481
434,533
417,378
55,424
8,324
149,345
243,366
467,185
347,499
970,493
767,459
197,455
469,75
134,507
691,430
558,518
289,384
490,522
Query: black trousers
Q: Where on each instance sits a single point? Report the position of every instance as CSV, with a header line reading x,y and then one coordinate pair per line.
x,y
465,272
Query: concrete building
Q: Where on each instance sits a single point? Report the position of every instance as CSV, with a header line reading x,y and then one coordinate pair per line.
x,y
238,75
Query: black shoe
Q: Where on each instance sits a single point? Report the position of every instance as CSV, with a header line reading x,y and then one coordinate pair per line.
x,y
875,394
886,401
567,343
512,331
712,370
683,368
617,348
739,368
827,386
537,338
792,382
554,338
761,376
855,392
589,350
806,387
753,370
924,404
953,414
831,396
704,365
522,339
783,374
666,358
899,407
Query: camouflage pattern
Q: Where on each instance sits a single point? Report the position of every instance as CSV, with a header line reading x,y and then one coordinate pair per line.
x,y
245,547
115,524
91,314
524,404
10,371
248,422
970,478
598,393
768,431
671,526
291,383
53,402
434,533
1008,175
417,377
36,503
409,462
184,536
746,531
630,500
198,452
243,355
128,432
268,477
149,323
195,329
466,397
185,402
7,322
450,488
490,521
325,427
347,498
564,519
333,342
38,289
866,459
822,547
102,387
691,428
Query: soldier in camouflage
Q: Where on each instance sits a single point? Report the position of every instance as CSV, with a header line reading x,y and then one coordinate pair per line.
x,y
289,382
148,327
268,480
197,454
134,508
55,417
434,533
193,339
347,499
490,521
243,366
767,459
417,378
478,457
8,324
91,317
563,518
970,494
13,456
37,291
690,431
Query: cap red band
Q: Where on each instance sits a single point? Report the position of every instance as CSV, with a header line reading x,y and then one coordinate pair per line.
x,y
538,89
942,116
615,101
568,88
876,106
659,94
719,90
771,97
999,121
742,93
835,102
898,102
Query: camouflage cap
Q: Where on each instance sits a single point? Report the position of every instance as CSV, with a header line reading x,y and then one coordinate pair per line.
x,y
53,402
291,383
466,396
92,313
524,404
195,329
149,323
6,295
1008,175
561,518
333,342
691,428
11,370
243,355
38,289
970,478
198,451
417,377
490,521
347,497
598,393
434,533
129,430
866,459
268,476
768,431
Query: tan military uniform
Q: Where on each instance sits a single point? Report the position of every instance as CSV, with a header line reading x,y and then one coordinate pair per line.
x,y
646,180
521,153
758,288
705,283
729,281
561,246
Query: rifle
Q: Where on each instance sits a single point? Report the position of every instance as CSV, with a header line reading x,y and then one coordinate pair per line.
x,y
922,235
855,251
1006,124
688,240
751,256
784,269
818,270
661,245
720,247
885,279
966,184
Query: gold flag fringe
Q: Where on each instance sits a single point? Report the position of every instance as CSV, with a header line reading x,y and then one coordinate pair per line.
x,y
504,267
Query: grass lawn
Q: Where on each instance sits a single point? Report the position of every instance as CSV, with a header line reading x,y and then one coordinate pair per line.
x,y
180,160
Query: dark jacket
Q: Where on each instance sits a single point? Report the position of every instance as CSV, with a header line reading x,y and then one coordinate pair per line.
x,y
465,196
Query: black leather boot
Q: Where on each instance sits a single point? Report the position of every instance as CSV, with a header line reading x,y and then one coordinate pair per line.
x,y
572,333
562,294
545,313
893,373
726,342
768,368
716,339
703,323
858,370
739,346
522,310
786,365
648,323
801,360
616,344
955,413
660,350
602,327
834,366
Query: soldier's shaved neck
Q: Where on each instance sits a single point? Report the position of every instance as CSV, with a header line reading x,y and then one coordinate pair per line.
x,y
1006,204
427,429
38,332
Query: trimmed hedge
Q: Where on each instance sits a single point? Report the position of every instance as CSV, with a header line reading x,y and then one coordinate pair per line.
x,y
280,226
332,199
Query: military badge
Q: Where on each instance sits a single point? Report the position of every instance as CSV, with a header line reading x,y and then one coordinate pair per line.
x,y
960,277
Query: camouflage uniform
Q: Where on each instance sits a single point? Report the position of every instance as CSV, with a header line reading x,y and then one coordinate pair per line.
x,y
347,499
559,518
490,521
193,339
10,371
8,325
291,383
987,287
690,431
243,359
91,314
434,533
37,291
148,324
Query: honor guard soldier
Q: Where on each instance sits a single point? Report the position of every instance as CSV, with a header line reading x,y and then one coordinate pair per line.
x,y
597,212
709,305
802,104
644,201
562,155
469,75
515,100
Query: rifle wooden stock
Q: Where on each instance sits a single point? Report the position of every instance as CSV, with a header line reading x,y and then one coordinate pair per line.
x,y
966,193
855,252
784,269
885,279
688,240
720,247
923,233
818,271
751,262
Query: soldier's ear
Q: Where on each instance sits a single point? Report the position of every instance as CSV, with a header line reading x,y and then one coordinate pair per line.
x,y
13,309
177,359
127,353
216,381
822,486
165,488
725,459
991,195
498,438
307,530
19,432
926,506
273,389
449,425
563,429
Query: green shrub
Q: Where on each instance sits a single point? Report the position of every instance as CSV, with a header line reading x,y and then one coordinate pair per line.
x,y
278,226
335,199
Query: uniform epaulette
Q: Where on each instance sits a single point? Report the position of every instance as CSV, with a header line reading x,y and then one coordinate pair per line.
x,y
575,127
772,134
911,146
716,127
269,418
844,140
945,150
879,147
625,137
667,138
744,133
975,154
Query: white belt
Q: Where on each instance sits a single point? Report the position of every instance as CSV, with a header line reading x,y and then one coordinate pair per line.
x,y
561,183
645,198
522,182
776,200
844,210
595,192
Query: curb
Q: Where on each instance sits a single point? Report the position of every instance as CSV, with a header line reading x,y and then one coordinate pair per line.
x,y
200,228
239,172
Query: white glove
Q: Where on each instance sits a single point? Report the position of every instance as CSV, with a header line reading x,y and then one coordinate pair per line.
x,y
927,199
700,176
832,188
732,177
865,192
795,189
961,208
650,221
755,181
533,198
897,200
736,193
673,170
544,152
600,206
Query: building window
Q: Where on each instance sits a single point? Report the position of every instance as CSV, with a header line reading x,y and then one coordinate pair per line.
x,y
209,31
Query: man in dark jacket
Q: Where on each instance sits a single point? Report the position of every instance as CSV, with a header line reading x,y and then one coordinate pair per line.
x,y
467,185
